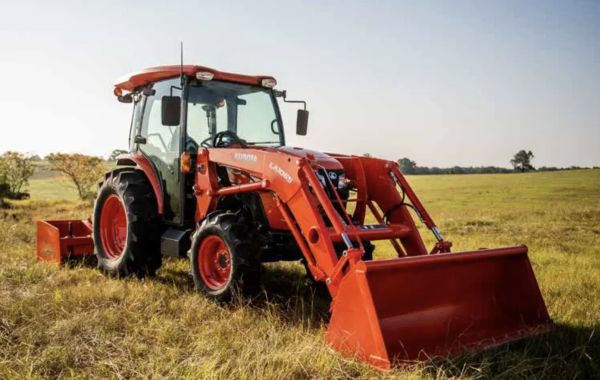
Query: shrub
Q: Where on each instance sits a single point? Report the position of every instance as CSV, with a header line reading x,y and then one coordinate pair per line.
x,y
15,171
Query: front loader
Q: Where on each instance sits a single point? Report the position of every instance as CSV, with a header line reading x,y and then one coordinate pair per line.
x,y
209,177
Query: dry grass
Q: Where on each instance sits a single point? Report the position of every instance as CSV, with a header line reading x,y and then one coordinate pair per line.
x,y
75,322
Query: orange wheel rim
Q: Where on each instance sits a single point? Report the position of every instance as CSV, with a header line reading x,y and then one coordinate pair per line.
x,y
113,227
214,262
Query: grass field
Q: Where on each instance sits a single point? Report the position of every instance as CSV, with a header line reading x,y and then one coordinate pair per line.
x,y
75,322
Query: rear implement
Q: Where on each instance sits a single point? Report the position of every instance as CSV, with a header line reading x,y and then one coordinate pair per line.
x,y
62,240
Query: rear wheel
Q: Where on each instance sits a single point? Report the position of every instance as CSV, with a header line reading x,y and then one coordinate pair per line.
x,y
223,257
126,225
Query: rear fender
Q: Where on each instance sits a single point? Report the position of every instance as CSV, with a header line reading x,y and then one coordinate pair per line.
x,y
142,163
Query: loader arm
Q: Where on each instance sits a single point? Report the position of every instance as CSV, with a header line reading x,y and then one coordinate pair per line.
x,y
300,198
282,175
414,307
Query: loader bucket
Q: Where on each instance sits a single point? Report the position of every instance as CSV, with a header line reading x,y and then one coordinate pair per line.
x,y
60,240
415,308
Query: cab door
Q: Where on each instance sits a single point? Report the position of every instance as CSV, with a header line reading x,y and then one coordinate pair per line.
x,y
163,147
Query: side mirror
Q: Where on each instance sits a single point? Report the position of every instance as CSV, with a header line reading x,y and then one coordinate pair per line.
x,y
302,122
171,110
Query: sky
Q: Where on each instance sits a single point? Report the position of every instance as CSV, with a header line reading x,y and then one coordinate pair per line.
x,y
442,82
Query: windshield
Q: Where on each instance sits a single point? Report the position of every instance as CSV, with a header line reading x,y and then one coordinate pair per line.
x,y
248,111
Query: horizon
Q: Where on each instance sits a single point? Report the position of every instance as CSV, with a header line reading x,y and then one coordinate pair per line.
x,y
461,84
107,158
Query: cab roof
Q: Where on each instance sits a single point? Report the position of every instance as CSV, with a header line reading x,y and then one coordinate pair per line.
x,y
144,77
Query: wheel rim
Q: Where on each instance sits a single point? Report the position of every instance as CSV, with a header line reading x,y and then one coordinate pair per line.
x,y
214,262
113,227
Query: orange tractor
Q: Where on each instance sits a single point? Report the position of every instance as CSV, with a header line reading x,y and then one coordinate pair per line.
x,y
209,177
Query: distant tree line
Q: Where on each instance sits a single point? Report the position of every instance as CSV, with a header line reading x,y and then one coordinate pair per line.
x,y
521,162
408,166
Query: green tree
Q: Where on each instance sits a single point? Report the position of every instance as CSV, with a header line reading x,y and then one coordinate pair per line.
x,y
407,166
16,169
84,171
522,161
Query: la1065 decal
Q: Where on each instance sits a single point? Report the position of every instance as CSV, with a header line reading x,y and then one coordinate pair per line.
x,y
285,175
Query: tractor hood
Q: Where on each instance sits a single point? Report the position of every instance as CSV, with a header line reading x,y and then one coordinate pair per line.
x,y
318,158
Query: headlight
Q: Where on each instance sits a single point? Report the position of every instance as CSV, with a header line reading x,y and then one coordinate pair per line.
x,y
336,178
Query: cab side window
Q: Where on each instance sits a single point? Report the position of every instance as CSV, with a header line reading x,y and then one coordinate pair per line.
x,y
163,145
162,141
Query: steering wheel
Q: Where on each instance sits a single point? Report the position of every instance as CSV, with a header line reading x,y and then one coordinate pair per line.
x,y
207,142
227,138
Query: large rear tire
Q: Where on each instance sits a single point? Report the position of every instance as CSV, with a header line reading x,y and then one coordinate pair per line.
x,y
223,257
127,225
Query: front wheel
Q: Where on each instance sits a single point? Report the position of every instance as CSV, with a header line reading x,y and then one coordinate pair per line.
x,y
223,257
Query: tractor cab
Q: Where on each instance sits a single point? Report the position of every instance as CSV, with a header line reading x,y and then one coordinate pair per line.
x,y
179,110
